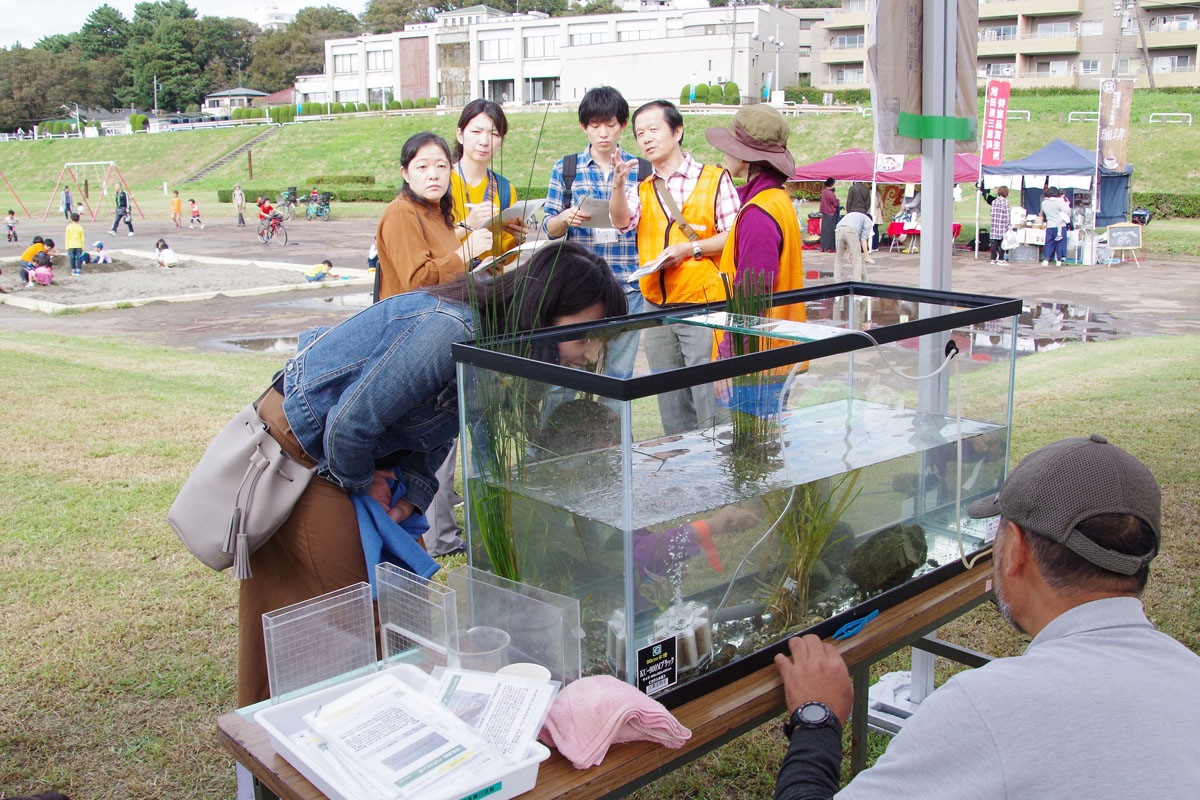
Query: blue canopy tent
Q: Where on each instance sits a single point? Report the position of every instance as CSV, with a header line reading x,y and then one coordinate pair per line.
x,y
1068,167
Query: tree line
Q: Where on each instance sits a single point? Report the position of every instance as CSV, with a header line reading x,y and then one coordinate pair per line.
x,y
113,62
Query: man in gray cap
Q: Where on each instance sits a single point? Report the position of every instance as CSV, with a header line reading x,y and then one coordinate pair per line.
x,y
1100,705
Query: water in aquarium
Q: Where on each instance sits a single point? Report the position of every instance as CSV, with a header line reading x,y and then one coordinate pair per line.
x,y
806,533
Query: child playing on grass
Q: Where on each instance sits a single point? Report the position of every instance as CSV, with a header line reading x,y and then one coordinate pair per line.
x,y
75,244
195,220
318,272
177,210
166,256
10,222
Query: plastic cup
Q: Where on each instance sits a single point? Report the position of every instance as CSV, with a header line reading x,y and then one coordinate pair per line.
x,y
481,648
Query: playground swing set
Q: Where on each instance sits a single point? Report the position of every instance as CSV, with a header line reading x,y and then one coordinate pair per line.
x,y
68,177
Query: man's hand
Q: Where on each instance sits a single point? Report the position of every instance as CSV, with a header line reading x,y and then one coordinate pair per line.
x,y
815,671
620,172
567,218
676,254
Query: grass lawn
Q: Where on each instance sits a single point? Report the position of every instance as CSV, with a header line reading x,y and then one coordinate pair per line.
x,y
117,652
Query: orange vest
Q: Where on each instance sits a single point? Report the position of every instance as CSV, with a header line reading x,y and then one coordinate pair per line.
x,y
694,280
790,276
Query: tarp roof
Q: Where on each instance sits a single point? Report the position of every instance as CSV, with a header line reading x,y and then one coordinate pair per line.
x,y
1056,158
858,165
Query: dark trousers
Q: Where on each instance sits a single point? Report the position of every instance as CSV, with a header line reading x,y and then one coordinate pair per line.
x,y
75,254
828,237
123,214
998,253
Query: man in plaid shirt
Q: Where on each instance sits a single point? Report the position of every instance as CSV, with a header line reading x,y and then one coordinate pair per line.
x,y
603,115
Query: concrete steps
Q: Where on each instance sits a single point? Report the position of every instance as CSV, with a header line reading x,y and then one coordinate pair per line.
x,y
230,156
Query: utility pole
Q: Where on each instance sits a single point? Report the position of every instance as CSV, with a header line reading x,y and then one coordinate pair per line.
x,y
1137,15
156,95
732,35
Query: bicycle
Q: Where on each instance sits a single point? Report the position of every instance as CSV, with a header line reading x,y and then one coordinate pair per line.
x,y
318,209
271,231
287,205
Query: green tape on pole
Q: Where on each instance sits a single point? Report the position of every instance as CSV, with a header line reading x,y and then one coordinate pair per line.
x,y
921,127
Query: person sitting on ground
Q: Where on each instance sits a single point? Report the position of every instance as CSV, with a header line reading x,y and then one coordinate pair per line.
x,y
97,256
166,256
318,272
36,246
42,272
1100,705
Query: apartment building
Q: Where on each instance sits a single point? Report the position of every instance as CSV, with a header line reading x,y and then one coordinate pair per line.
x,y
528,58
1042,43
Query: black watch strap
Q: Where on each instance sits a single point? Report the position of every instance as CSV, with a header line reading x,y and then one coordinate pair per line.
x,y
812,714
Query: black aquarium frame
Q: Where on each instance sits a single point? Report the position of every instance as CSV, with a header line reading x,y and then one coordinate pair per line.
x,y
975,308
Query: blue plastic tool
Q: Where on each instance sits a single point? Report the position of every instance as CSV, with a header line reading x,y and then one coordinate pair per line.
x,y
853,627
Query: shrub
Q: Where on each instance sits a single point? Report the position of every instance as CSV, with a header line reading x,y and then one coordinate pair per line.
x,y
421,102
434,102
1165,205
336,108
375,106
408,103
340,180
733,95
363,107
853,97
685,94
701,93
192,108
393,105
138,122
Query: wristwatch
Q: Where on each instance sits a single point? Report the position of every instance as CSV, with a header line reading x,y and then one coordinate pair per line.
x,y
696,253
812,714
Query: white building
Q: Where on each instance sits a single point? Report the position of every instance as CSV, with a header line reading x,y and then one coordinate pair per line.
x,y
529,58
269,17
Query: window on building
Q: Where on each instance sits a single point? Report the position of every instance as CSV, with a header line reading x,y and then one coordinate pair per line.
x,y
378,60
1089,66
1091,27
1129,25
345,64
596,37
998,33
806,24
1052,29
315,97
495,50
843,75
804,50
540,46
1174,22
346,96
1182,63
382,94
1000,70
848,40
637,35
856,6
1050,68
1129,66
541,89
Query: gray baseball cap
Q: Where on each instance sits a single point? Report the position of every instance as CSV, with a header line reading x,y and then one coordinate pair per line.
x,y
1058,486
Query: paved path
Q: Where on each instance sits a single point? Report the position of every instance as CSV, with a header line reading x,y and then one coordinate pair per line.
x,y
1161,297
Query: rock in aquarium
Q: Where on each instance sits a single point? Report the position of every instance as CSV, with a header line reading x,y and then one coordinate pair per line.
x,y
888,558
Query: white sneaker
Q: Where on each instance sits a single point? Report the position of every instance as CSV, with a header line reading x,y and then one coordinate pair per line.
x,y
112,233
131,233
1045,263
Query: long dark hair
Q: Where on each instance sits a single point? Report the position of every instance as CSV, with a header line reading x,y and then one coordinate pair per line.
x,y
472,110
562,278
408,152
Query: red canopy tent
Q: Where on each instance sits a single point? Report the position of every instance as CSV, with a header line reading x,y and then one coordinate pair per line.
x,y
859,165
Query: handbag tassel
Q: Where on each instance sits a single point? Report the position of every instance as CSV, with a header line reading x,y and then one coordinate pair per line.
x,y
241,558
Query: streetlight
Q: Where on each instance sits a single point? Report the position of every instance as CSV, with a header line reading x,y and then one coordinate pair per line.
x,y
78,125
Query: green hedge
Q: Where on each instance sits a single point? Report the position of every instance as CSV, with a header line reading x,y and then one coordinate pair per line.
x,y
340,180
1164,205
356,194
393,105
851,97
733,95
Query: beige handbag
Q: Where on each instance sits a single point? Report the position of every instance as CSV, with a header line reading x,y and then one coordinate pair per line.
x,y
239,494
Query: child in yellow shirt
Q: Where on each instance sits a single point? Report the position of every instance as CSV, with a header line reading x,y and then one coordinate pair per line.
x,y
177,210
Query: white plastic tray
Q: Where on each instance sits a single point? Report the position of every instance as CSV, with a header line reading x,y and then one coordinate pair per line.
x,y
286,719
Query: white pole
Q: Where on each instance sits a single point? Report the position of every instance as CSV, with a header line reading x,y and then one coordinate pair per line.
x,y
1096,175
979,191
156,95
939,64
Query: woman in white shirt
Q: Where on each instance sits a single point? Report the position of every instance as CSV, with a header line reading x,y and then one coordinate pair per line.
x,y
1057,214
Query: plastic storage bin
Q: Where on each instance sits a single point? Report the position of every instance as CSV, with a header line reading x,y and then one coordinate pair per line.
x,y
821,486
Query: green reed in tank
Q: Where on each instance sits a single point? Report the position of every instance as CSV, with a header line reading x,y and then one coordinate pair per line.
x,y
753,427
804,533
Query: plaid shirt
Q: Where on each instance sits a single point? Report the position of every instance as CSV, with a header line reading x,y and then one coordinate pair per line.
x,y
592,181
1000,218
681,183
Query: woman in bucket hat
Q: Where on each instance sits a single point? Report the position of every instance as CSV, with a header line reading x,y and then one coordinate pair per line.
x,y
763,250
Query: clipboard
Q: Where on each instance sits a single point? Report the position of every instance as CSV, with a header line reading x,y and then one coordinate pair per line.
x,y
598,209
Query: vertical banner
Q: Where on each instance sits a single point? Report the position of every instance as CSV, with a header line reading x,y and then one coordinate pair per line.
x,y
1116,101
995,112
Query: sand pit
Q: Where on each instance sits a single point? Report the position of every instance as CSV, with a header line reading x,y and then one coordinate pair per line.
x,y
134,278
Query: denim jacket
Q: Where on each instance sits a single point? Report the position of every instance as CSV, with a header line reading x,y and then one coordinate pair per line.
x,y
380,390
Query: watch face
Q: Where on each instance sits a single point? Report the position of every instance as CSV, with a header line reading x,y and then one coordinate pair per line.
x,y
813,713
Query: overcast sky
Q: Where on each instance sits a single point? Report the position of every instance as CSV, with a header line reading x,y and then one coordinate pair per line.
x,y
25,21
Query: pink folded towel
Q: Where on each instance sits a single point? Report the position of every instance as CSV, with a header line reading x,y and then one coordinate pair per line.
x,y
592,714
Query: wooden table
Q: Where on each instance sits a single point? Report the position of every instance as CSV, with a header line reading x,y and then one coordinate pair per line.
x,y
714,719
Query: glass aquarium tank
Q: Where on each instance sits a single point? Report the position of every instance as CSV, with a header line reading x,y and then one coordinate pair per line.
x,y
817,467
